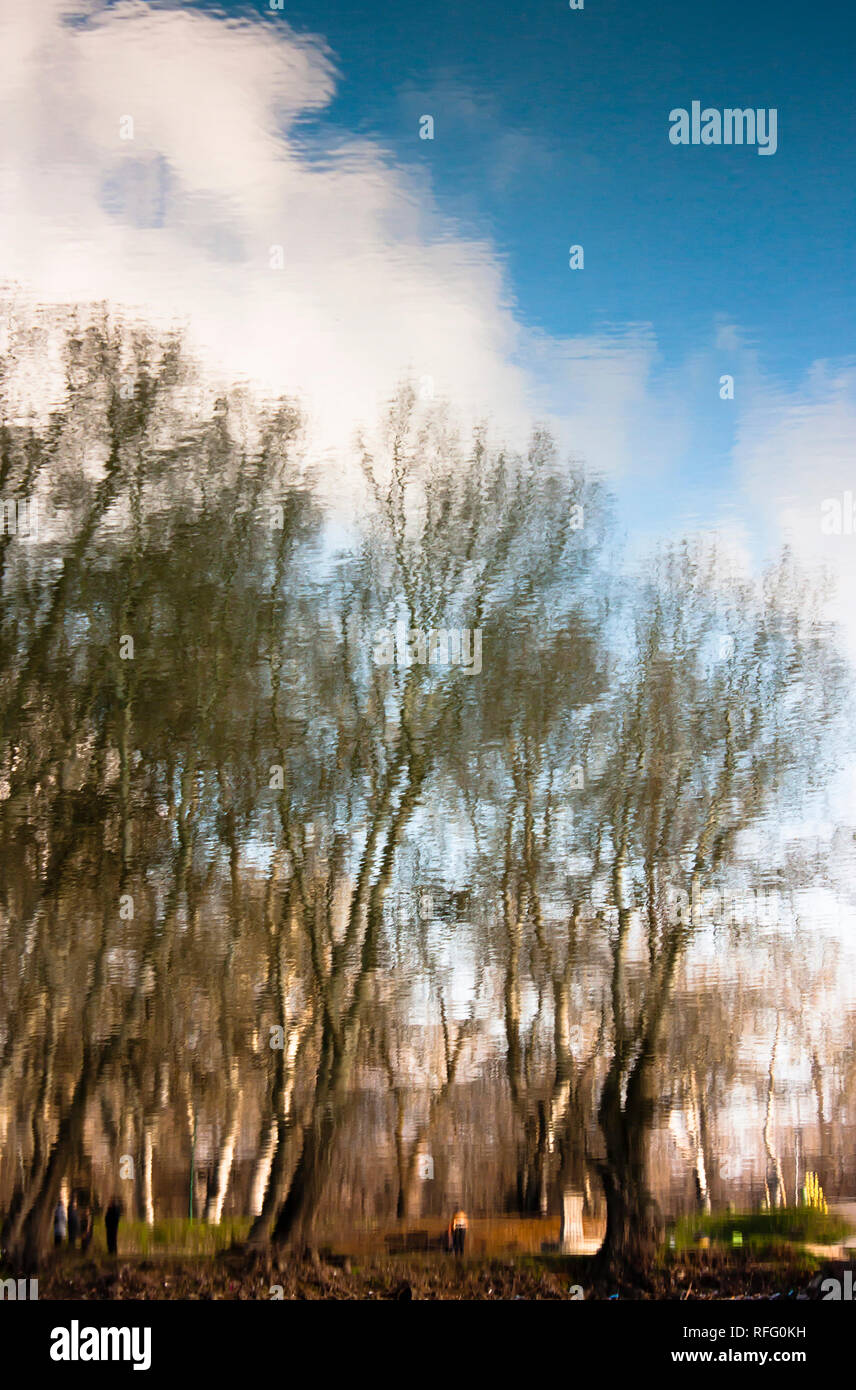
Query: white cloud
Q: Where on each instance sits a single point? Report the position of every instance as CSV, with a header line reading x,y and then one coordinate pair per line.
x,y
794,449
376,284
178,223
180,220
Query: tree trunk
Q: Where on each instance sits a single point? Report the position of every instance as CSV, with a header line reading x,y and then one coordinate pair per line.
x,y
296,1220
634,1229
634,1226
264,1165
571,1230
260,1231
145,1193
225,1159
35,1231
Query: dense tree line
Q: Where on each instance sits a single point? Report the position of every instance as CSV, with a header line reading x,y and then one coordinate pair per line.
x,y
229,788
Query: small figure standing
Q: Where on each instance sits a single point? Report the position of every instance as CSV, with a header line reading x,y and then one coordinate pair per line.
x,y
73,1222
60,1223
458,1230
111,1222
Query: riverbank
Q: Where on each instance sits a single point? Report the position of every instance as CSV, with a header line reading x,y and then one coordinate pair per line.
x,y
785,1274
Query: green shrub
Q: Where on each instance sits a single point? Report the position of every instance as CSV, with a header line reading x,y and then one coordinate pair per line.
x,y
799,1224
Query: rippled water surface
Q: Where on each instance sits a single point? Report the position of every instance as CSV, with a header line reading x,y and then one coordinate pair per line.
x,y
391,818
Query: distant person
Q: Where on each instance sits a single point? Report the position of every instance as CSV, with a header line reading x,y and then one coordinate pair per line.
x,y
73,1223
60,1224
458,1231
85,1228
111,1221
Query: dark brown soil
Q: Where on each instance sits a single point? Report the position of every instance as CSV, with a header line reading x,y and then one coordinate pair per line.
x,y
708,1275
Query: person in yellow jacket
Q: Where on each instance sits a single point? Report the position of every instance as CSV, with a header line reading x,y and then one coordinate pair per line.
x,y
458,1230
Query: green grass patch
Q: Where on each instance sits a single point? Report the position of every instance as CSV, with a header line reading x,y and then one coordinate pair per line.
x,y
176,1236
798,1225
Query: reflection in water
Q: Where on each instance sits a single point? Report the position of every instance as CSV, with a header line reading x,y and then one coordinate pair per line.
x,y
312,918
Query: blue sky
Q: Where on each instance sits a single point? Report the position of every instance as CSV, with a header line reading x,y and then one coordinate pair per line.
x,y
551,127
447,260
